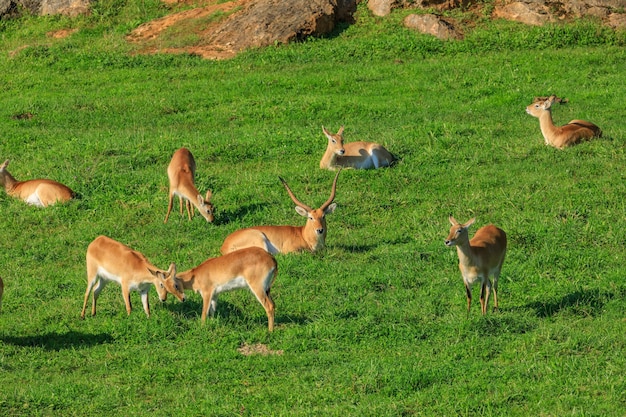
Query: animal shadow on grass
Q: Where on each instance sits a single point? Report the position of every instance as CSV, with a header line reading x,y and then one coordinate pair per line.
x,y
364,248
225,217
582,303
193,309
59,341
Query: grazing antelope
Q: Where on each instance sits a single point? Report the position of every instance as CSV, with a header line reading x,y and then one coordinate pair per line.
x,y
561,137
1,292
181,172
359,155
39,192
251,268
479,258
109,260
286,239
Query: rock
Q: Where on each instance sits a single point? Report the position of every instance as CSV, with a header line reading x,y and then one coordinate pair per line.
x,y
431,24
617,21
528,13
382,7
65,7
266,22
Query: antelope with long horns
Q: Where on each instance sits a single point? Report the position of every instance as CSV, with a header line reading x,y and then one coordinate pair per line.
x,y
285,239
359,155
561,137
38,192
479,258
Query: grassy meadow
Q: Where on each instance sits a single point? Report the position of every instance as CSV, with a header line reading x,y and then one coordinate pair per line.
x,y
376,323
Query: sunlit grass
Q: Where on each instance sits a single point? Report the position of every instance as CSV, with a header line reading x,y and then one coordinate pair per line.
x,y
376,323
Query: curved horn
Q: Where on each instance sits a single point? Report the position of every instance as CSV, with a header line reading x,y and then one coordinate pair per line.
x,y
293,197
332,192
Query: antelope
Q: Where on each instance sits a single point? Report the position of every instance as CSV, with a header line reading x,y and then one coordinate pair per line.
x,y
181,172
109,260
479,258
285,239
38,192
561,137
251,268
359,155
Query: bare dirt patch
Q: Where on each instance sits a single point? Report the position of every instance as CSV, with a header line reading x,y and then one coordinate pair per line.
x,y
258,349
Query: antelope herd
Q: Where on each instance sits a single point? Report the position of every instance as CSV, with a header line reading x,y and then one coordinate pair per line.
x,y
247,259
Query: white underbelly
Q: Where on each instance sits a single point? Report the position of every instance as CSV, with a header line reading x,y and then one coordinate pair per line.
x,y
234,284
132,286
34,200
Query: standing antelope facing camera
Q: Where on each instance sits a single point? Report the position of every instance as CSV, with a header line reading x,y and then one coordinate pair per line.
x,y
251,268
109,260
181,172
359,155
479,258
39,192
561,137
285,239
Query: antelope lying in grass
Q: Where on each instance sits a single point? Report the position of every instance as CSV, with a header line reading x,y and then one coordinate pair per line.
x,y
181,172
359,155
109,260
561,137
39,192
251,268
479,258
285,239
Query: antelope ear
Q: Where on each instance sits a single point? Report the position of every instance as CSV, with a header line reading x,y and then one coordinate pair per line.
x,y
327,133
209,194
200,199
330,209
4,165
302,211
469,222
452,220
549,102
171,272
340,131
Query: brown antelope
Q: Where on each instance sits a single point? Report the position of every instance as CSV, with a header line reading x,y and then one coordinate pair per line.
x,y
285,239
251,268
561,137
181,172
479,258
109,260
359,155
39,192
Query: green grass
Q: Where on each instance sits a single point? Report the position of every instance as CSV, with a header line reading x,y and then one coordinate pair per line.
x,y
376,323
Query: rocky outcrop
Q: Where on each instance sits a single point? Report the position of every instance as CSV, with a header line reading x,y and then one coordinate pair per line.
x,y
531,12
248,24
535,12
251,24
